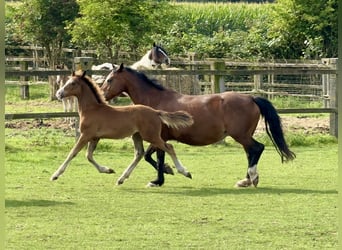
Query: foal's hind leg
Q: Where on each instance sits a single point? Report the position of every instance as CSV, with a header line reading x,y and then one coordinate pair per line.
x,y
138,155
150,150
91,148
253,152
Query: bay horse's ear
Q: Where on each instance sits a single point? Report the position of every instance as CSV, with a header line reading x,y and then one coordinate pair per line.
x,y
154,44
121,67
73,73
84,73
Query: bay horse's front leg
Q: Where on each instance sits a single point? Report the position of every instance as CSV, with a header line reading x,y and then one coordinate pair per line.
x,y
138,155
91,148
82,141
148,157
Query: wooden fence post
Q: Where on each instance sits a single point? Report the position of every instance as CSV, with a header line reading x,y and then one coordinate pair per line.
x,y
24,87
329,85
218,80
81,63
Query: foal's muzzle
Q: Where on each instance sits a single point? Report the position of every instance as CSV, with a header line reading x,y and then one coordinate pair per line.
x,y
59,94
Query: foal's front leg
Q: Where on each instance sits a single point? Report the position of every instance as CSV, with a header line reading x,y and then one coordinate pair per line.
x,y
82,141
91,148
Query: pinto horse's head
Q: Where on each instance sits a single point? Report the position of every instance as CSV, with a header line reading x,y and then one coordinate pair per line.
x,y
158,56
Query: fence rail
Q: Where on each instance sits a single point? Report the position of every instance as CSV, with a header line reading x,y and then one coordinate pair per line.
x,y
313,80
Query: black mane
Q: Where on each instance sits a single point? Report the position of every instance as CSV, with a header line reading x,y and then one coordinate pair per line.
x,y
152,82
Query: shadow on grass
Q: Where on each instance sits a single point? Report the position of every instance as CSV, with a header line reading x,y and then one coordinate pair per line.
x,y
35,203
212,191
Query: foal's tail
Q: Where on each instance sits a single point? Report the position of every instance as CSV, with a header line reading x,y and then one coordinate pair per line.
x,y
274,128
178,119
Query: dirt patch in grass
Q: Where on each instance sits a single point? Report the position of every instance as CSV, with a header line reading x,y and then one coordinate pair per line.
x,y
310,125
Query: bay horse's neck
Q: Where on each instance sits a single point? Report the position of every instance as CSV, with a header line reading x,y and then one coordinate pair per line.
x,y
143,93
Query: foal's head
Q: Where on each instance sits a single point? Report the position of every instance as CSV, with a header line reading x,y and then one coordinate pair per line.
x,y
76,85
158,56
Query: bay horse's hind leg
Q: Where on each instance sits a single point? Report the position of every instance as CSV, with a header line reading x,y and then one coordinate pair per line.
x,y
253,152
148,157
138,155
168,148
160,162
90,150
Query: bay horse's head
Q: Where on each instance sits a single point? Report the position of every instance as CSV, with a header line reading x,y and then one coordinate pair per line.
x,y
158,56
114,83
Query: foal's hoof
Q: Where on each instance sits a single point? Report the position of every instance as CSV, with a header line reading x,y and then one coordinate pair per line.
x,y
244,183
53,178
168,169
110,171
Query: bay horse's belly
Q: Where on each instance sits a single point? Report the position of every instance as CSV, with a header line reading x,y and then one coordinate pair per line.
x,y
215,117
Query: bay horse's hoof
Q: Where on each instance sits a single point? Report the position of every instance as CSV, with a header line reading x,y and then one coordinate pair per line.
x,y
151,184
256,181
168,169
188,175
243,183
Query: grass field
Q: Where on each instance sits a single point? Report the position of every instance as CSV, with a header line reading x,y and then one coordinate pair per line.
x,y
294,206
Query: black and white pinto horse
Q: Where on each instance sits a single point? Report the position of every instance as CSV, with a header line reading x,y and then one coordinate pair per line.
x,y
153,58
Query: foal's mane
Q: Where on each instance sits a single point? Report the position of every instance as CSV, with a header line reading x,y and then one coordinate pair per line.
x,y
152,82
95,89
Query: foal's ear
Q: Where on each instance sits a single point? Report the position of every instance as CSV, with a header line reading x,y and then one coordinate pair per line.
x,y
84,73
121,67
154,44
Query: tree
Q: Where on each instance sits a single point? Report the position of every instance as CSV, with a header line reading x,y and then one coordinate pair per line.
x,y
111,25
43,22
304,28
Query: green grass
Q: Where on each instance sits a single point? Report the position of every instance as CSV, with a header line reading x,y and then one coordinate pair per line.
x,y
294,207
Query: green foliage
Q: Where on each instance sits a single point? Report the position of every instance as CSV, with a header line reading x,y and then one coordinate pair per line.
x,y
219,30
305,29
286,29
113,25
43,22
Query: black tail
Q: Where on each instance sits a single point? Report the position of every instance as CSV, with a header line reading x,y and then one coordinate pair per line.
x,y
274,128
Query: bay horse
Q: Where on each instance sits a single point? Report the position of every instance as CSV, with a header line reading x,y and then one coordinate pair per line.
x,y
215,117
100,120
